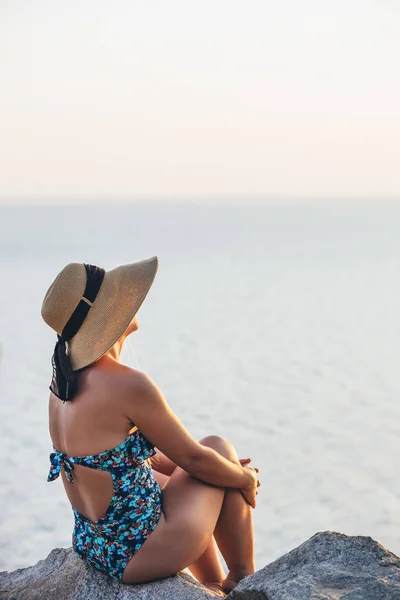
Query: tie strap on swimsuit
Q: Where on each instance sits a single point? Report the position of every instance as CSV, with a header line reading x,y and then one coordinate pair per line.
x,y
58,460
129,454
64,382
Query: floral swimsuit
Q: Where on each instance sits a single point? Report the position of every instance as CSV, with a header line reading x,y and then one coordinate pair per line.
x,y
134,510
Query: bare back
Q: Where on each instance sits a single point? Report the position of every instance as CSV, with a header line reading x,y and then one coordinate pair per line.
x,y
93,422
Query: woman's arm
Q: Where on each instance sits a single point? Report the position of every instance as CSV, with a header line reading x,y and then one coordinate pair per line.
x,y
161,463
148,409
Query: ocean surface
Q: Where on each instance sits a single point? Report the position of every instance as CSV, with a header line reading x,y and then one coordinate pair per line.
x,y
277,327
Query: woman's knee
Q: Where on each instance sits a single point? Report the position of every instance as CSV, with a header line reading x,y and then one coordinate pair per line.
x,y
221,445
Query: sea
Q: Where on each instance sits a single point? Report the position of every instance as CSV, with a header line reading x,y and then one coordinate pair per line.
x,y
276,326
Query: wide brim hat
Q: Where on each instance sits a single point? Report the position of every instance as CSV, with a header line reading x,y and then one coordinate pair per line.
x,y
120,296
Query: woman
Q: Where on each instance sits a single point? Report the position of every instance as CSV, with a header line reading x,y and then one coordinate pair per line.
x,y
134,520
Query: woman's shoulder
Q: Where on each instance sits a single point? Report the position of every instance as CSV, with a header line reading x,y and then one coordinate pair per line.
x,y
138,382
121,378
135,386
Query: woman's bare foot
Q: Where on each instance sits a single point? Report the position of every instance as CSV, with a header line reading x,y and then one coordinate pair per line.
x,y
215,586
232,580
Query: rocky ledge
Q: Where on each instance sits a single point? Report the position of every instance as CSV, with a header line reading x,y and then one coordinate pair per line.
x,y
329,566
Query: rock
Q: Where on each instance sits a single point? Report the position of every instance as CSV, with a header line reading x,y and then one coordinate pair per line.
x,y
63,576
329,566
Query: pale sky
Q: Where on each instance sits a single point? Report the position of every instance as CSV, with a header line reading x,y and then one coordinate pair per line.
x,y
182,98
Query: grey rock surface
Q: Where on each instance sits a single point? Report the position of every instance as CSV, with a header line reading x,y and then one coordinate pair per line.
x,y
63,576
329,566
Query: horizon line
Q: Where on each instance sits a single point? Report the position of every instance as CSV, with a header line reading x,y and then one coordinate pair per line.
x,y
184,199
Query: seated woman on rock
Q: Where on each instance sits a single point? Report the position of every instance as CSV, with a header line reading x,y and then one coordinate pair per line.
x,y
148,500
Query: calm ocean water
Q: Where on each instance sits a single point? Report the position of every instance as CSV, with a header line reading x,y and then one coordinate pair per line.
x,y
275,326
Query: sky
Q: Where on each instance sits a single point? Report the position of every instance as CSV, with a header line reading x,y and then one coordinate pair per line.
x,y
182,99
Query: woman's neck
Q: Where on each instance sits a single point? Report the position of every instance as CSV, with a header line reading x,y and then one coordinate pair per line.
x,y
115,351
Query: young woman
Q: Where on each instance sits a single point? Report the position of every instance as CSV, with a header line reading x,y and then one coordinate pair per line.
x,y
148,499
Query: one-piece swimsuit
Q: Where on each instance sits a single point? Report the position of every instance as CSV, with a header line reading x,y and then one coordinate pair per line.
x,y
134,510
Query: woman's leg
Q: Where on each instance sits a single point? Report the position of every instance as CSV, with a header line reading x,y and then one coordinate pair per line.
x,y
233,532
234,529
235,538
191,511
207,569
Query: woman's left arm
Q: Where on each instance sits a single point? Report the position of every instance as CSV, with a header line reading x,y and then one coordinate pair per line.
x,y
161,463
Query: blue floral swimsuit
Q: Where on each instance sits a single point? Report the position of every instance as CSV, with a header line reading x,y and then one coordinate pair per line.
x,y
134,510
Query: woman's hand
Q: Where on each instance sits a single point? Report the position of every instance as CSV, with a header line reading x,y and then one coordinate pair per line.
x,y
250,492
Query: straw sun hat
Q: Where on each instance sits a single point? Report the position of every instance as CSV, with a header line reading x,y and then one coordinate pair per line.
x,y
121,293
